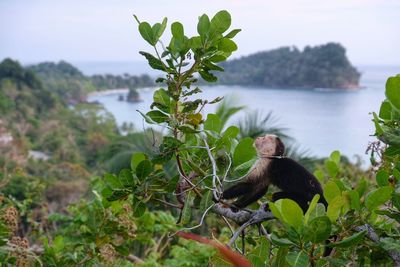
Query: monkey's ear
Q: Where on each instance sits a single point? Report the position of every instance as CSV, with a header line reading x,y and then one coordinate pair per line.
x,y
280,147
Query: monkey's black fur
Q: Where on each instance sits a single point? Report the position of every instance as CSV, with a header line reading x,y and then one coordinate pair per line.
x,y
295,182
293,179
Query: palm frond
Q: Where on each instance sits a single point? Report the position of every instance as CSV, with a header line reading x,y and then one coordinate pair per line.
x,y
255,124
227,108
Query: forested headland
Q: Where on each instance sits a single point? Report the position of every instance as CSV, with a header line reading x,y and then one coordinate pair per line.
x,y
323,66
71,84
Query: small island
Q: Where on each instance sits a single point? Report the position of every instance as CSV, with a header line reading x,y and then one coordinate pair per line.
x,y
323,66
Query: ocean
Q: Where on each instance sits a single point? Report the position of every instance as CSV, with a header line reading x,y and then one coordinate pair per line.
x,y
320,120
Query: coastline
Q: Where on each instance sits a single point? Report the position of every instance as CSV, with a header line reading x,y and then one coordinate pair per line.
x,y
109,92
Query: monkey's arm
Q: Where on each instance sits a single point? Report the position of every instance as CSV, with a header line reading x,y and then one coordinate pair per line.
x,y
254,194
237,190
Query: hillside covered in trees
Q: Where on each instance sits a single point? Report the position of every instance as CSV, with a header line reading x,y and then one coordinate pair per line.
x,y
324,66
72,85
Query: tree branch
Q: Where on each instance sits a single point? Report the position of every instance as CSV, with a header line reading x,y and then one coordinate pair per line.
x,y
395,255
244,218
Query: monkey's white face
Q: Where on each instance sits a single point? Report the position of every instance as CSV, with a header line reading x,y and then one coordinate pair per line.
x,y
266,145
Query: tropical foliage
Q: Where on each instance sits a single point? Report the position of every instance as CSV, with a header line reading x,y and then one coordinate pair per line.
x,y
64,209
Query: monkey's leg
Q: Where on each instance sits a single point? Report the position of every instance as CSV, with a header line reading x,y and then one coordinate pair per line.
x,y
299,199
236,190
253,195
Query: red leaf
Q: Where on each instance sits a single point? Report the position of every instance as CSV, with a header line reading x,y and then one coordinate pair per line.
x,y
236,259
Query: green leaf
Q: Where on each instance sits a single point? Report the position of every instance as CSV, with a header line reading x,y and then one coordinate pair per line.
x,y
171,142
119,194
147,33
255,260
276,211
332,168
318,229
297,259
335,208
157,116
146,118
154,62
385,112
195,43
163,100
126,178
280,260
227,45
393,91
136,159
331,191
396,200
378,128
206,201
186,128
231,132
208,76
361,187
204,25
187,208
232,33
317,212
320,175
282,242
177,30
220,22
139,209
113,181
144,169
378,197
244,151
190,106
213,123
349,241
58,243
291,213
311,207
382,178
354,199
262,249
335,157
158,29
389,244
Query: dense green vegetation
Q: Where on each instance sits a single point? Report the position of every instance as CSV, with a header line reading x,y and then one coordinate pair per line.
x,y
72,85
324,66
66,210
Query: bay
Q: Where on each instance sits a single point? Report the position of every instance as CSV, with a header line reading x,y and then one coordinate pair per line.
x,y
321,120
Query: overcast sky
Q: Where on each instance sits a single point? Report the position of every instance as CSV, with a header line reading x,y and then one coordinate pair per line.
x,y
100,30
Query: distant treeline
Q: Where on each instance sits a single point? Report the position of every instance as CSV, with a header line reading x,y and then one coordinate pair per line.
x,y
70,83
324,66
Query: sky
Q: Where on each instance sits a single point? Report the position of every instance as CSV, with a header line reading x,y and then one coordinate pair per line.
x,y
104,30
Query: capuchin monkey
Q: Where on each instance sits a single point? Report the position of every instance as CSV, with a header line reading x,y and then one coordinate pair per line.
x,y
272,167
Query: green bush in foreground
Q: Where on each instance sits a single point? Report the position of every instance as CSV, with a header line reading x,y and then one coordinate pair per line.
x,y
133,215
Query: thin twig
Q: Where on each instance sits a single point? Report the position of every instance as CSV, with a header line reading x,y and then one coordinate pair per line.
x,y
183,175
167,203
196,226
229,167
216,192
190,188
